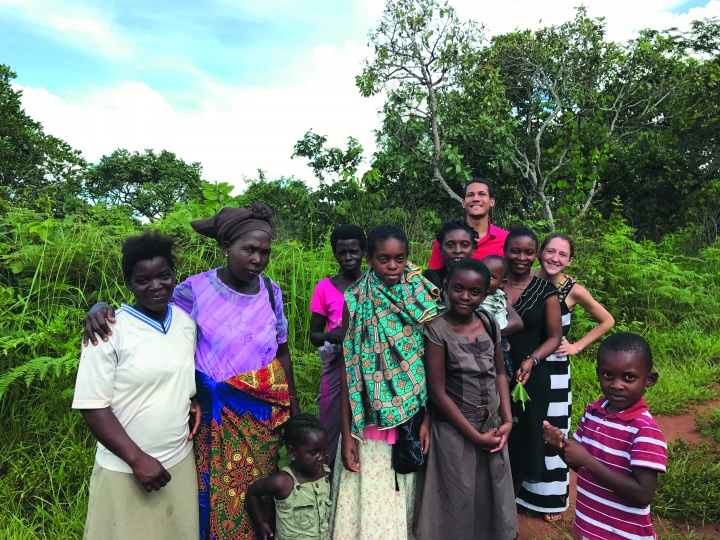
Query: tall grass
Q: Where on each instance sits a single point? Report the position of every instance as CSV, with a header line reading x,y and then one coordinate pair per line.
x,y
48,281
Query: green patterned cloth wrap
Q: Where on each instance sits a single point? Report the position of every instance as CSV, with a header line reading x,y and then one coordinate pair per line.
x,y
384,348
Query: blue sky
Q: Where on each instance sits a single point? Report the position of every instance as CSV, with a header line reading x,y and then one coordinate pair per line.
x,y
234,83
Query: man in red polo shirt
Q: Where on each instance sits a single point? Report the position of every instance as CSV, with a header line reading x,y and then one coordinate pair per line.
x,y
478,199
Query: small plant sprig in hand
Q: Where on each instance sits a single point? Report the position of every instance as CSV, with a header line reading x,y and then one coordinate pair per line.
x,y
520,394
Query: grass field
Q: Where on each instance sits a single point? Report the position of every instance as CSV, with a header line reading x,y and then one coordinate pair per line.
x,y
47,284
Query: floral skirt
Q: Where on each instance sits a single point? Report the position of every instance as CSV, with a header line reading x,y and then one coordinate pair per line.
x,y
236,445
373,504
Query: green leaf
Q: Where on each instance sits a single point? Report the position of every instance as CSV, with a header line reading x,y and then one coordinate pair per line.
x,y
520,394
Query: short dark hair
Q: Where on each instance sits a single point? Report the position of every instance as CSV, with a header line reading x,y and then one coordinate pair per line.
x,y
562,236
629,343
472,265
457,225
348,232
146,247
382,233
491,190
294,432
519,232
497,258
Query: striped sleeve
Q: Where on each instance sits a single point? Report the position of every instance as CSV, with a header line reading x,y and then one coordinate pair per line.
x,y
578,435
649,449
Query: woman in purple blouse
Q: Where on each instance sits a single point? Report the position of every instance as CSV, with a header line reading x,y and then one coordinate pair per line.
x,y
244,373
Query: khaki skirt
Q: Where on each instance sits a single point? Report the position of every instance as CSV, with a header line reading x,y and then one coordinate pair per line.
x,y
120,509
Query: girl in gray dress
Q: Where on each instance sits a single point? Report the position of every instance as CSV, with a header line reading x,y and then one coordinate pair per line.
x,y
466,490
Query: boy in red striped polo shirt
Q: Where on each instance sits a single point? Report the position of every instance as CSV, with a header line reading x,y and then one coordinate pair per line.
x,y
618,448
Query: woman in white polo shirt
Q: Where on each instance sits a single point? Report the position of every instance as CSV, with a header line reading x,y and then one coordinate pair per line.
x,y
136,392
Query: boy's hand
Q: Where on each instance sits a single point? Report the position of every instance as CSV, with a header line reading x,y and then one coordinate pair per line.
x,y
553,436
575,454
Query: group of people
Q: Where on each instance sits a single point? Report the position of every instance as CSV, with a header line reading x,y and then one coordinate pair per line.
x,y
418,397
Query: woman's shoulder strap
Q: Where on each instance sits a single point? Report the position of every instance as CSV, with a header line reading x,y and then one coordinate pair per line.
x,y
271,294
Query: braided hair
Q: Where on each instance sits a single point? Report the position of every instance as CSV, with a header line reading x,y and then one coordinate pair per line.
x,y
294,432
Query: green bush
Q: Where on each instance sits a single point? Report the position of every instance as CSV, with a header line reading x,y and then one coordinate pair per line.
x,y
53,271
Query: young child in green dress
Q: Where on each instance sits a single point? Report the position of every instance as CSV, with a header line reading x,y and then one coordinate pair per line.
x,y
301,490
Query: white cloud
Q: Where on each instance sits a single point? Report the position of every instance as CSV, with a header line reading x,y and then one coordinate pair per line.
x,y
83,26
623,17
234,130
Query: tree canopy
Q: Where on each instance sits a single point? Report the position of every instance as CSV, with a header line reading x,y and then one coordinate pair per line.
x,y
562,119
149,183
34,166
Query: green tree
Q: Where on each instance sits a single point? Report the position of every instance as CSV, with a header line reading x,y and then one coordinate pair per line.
x,y
151,184
35,168
328,161
421,49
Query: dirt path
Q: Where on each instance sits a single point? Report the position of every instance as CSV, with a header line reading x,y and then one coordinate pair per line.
x,y
533,527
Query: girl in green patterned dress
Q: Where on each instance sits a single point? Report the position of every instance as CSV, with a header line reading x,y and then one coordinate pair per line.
x,y
383,387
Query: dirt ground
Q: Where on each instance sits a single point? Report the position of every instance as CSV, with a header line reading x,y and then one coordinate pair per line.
x,y
533,527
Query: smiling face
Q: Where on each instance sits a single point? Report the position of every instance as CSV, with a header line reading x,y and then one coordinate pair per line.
x,y
497,273
520,254
623,378
152,282
466,291
309,457
477,202
555,256
248,255
389,260
457,244
348,254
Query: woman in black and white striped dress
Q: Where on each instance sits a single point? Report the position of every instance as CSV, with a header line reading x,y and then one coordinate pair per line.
x,y
550,496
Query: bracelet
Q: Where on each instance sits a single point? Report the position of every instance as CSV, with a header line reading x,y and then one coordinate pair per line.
x,y
294,397
534,358
506,422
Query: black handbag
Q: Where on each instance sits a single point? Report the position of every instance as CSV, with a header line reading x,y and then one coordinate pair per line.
x,y
407,456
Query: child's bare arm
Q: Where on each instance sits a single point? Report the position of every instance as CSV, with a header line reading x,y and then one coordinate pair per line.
x,y
504,391
638,488
514,324
279,486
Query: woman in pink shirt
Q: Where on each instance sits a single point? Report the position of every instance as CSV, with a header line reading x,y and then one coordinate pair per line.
x,y
348,244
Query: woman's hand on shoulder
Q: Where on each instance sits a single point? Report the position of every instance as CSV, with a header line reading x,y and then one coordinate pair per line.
x,y
350,454
96,322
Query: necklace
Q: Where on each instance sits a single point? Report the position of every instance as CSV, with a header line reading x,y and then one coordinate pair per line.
x,y
515,286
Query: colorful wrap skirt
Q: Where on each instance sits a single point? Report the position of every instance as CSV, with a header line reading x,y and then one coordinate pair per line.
x,y
236,445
